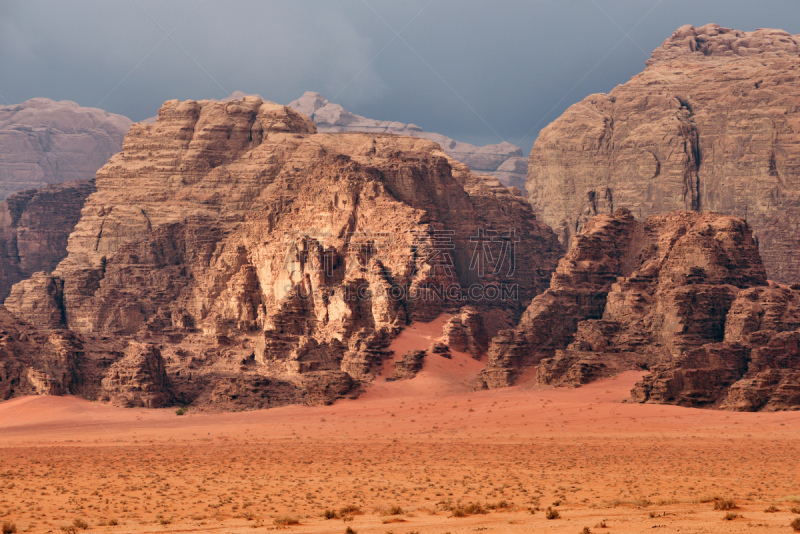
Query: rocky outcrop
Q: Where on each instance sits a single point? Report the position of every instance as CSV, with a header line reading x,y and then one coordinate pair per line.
x,y
684,295
33,362
710,125
755,366
409,365
34,227
256,253
139,379
504,161
44,142
577,292
466,332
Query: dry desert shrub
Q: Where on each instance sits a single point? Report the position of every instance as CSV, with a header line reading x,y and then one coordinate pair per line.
x,y
551,513
469,509
796,510
286,520
771,509
9,527
795,524
724,504
730,516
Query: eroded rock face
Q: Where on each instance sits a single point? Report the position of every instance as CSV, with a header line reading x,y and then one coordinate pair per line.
x,y
710,125
504,161
34,227
33,362
683,294
466,332
409,365
577,292
756,365
256,253
45,142
139,379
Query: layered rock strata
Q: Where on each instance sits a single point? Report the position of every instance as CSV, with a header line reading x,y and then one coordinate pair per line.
x,y
34,227
683,295
268,263
711,124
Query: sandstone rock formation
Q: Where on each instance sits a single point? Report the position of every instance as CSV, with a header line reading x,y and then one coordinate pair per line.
x,y
755,366
33,362
466,332
504,161
267,263
34,227
44,142
138,379
409,365
711,124
683,294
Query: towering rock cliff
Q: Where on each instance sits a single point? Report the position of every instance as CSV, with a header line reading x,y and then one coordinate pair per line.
x,y
712,124
45,142
34,227
504,161
237,257
683,294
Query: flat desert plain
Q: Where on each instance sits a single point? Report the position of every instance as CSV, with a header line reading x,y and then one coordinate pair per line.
x,y
426,455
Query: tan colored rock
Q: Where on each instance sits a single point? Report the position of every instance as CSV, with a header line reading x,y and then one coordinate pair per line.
x,y
34,227
762,358
33,362
710,125
577,292
256,253
44,142
466,332
683,294
139,379
504,161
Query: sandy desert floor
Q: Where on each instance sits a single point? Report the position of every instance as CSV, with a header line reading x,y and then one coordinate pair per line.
x,y
408,456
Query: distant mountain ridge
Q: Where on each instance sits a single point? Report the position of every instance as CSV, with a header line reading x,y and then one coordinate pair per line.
x,y
43,142
504,161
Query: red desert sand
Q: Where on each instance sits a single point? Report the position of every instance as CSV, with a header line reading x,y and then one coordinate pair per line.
x,y
426,455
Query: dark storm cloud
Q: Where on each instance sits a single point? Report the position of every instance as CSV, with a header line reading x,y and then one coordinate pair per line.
x,y
478,71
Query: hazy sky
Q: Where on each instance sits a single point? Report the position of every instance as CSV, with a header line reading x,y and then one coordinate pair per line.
x,y
478,71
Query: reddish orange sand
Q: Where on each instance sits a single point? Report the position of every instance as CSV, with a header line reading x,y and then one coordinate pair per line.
x,y
424,445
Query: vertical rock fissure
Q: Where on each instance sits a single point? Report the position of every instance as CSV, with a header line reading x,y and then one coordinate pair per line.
x,y
691,146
